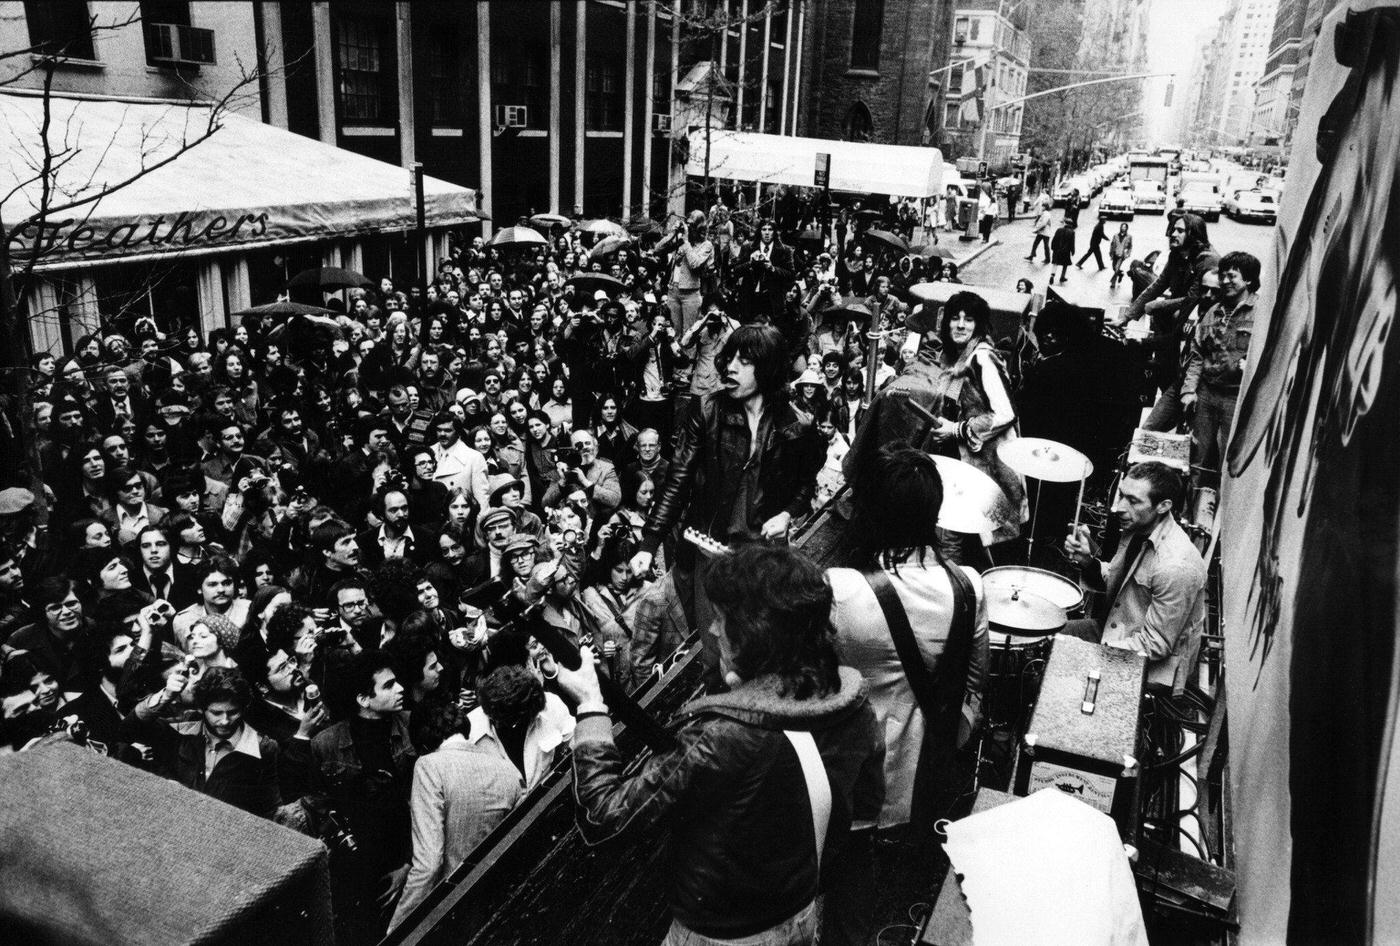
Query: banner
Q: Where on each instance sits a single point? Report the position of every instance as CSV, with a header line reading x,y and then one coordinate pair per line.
x,y
1312,513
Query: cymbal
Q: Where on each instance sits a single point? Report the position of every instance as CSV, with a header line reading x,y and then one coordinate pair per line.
x,y
972,501
1023,612
1045,460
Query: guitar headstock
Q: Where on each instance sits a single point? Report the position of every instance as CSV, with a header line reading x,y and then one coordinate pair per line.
x,y
705,544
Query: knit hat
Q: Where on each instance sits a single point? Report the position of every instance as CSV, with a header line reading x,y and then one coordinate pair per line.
x,y
225,630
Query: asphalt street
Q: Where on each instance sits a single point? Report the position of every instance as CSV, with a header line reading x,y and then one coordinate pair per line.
x,y
1000,266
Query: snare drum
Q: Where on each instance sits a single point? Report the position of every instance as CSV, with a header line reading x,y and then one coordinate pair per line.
x,y
1056,588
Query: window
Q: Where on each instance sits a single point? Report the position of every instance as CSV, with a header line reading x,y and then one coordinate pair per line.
x,y
444,84
950,115
523,79
955,79
975,26
59,28
866,34
858,125
960,30
603,96
366,87
163,12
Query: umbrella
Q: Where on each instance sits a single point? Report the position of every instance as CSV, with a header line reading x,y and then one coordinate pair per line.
x,y
602,228
550,220
288,308
930,250
888,238
518,236
870,215
329,279
809,236
640,226
608,245
592,282
316,321
851,312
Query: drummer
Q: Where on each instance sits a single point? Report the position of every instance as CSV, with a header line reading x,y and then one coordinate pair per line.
x,y
1155,583
905,572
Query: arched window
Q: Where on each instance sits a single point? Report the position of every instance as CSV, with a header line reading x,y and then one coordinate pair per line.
x,y
858,126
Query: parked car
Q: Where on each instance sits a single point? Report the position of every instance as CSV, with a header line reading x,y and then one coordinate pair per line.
x,y
1149,197
1117,201
1081,184
1201,198
1251,205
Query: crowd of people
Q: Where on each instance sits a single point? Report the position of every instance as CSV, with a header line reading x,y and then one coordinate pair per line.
x,y
293,564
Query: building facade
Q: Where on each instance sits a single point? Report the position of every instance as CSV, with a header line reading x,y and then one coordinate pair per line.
x,y
1244,37
1312,23
1274,88
991,45
873,68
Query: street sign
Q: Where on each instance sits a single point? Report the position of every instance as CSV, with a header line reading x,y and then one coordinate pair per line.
x,y
823,175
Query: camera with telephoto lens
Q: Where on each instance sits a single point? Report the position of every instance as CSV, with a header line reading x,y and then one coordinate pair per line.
x,y
569,456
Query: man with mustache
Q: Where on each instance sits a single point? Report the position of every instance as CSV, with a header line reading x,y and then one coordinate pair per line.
x,y
745,468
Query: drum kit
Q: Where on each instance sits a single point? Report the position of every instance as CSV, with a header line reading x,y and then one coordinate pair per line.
x,y
1026,606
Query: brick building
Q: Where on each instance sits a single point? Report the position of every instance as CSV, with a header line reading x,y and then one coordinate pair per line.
x,y
868,65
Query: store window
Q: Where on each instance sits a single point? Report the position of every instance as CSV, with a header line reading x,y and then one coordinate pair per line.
x,y
364,54
866,33
59,28
165,291
603,96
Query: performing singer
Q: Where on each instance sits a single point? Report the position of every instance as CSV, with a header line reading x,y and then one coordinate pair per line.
x,y
745,466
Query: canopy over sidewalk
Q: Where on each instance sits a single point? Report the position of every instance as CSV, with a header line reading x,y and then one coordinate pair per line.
x,y
859,167
247,185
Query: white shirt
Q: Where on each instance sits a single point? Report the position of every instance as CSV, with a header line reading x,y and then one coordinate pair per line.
x,y
552,728
461,467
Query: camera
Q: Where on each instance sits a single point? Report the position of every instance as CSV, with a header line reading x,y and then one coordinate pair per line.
x,y
338,835
569,456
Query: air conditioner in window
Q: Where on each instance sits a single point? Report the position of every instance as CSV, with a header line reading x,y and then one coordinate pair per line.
x,y
660,123
180,45
511,116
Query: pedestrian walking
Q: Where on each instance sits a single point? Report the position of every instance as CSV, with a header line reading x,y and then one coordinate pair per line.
x,y
1096,238
1072,208
1043,224
1062,249
1119,249
987,212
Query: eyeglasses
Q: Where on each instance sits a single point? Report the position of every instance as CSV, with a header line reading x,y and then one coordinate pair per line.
x,y
135,484
354,605
282,667
68,604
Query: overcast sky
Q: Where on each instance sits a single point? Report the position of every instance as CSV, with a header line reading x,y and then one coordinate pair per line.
x,y
1173,29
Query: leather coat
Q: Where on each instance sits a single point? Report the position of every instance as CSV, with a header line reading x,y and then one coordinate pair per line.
x,y
712,446
742,850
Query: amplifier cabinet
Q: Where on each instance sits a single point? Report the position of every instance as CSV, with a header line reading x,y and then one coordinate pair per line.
x,y
1083,735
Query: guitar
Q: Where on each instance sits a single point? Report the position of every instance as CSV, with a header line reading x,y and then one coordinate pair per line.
x,y
706,545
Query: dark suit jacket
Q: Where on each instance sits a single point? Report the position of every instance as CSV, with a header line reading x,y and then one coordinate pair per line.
x,y
765,286
183,590
105,412
420,548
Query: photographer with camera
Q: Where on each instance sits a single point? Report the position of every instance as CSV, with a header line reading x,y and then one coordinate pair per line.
x,y
692,265
702,344
583,471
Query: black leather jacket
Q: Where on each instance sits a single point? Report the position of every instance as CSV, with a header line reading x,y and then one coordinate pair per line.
x,y
742,849
712,446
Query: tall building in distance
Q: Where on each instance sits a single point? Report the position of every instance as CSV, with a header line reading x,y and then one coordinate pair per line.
x,y
1273,91
1312,23
1233,66
867,69
990,52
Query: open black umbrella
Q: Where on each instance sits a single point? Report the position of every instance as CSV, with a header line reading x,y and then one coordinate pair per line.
x,y
851,312
931,250
640,226
329,279
547,220
280,310
306,324
592,282
889,239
